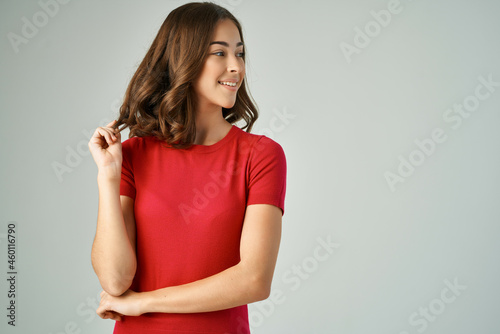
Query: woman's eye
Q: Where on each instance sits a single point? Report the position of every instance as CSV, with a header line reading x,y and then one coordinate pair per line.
x,y
240,53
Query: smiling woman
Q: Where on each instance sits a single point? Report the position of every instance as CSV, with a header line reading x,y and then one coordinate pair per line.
x,y
197,46
190,205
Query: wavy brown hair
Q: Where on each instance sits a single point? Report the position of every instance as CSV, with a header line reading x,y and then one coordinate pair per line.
x,y
160,100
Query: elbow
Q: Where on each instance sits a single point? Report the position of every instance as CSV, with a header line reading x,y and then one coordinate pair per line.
x,y
115,282
261,288
255,282
115,288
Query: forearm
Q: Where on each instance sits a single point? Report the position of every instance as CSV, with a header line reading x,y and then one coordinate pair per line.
x,y
113,257
232,287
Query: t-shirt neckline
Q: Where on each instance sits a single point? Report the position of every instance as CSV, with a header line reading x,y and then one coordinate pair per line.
x,y
198,148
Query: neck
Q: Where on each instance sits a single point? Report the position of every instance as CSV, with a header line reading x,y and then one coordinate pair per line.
x,y
210,127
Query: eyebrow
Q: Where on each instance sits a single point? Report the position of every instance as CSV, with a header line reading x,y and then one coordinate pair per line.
x,y
225,43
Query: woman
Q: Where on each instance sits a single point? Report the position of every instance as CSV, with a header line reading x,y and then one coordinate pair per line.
x,y
190,206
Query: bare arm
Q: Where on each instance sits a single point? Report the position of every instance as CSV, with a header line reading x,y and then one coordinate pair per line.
x,y
248,281
113,251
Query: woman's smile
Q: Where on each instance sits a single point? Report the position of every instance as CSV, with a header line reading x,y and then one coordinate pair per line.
x,y
232,88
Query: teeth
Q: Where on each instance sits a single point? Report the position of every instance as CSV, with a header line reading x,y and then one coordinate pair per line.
x,y
232,84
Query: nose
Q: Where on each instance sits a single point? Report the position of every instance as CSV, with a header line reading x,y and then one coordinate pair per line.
x,y
235,64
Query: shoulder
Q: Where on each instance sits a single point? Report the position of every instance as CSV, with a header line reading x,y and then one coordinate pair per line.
x,y
269,146
260,145
136,142
266,154
137,149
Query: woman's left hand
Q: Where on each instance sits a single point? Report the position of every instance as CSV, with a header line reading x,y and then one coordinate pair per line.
x,y
112,307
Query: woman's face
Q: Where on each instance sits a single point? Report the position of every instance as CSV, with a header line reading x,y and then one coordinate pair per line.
x,y
224,63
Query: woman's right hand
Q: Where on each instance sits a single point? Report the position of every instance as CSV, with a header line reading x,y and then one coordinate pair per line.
x,y
106,149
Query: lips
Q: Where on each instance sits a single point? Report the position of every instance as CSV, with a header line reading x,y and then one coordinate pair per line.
x,y
229,80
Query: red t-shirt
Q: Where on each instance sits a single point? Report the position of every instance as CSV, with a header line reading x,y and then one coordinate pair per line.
x,y
189,211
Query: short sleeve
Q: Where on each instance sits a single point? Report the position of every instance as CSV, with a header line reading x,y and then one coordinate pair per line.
x,y
127,182
267,174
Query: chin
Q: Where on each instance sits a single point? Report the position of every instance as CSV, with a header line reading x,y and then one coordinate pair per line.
x,y
228,105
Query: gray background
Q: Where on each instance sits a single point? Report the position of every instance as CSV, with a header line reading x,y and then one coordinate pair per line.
x,y
349,122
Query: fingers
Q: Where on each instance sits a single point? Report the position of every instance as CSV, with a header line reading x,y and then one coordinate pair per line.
x,y
110,315
110,133
102,138
113,316
115,133
106,135
103,312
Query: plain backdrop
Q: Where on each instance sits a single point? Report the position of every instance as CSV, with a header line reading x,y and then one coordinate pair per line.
x,y
388,113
